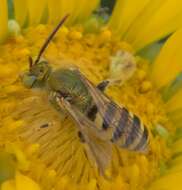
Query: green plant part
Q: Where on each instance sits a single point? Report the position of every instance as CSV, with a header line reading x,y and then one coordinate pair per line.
x,y
7,166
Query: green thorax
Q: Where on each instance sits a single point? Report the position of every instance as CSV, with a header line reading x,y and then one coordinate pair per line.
x,y
69,83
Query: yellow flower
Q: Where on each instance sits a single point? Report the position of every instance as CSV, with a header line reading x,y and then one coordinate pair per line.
x,y
53,157
19,183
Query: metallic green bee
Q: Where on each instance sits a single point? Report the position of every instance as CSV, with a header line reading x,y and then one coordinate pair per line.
x,y
100,121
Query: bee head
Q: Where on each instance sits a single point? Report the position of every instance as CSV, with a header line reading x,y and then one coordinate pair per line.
x,y
37,74
39,69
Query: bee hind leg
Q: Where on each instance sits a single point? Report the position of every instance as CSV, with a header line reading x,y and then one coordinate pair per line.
x,y
106,83
81,137
103,85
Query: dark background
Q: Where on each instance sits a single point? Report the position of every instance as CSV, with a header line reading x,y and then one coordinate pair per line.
x,y
104,3
108,3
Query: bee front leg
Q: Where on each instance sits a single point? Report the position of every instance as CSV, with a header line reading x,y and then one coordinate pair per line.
x,y
53,100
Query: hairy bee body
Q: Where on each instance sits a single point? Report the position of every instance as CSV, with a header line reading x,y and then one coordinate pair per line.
x,y
67,83
127,129
100,121
121,126
129,132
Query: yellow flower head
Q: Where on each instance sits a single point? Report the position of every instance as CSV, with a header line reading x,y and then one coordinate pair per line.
x,y
40,145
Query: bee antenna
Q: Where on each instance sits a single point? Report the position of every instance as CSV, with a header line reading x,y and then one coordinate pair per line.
x,y
45,45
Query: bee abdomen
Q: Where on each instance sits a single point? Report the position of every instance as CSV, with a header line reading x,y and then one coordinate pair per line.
x,y
105,122
133,129
121,125
109,114
142,145
130,132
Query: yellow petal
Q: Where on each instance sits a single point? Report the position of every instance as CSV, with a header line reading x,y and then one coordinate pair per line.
x,y
7,166
168,64
13,148
21,11
54,7
59,8
78,10
176,162
158,19
36,10
8,185
23,182
86,8
68,8
171,181
139,22
124,14
174,106
177,147
175,168
3,20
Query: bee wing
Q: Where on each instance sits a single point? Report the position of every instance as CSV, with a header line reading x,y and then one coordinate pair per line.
x,y
101,101
107,108
100,149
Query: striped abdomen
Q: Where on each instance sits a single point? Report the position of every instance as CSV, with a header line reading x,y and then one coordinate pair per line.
x,y
130,132
127,129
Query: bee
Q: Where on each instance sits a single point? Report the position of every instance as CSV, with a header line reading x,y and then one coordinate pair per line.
x,y
100,121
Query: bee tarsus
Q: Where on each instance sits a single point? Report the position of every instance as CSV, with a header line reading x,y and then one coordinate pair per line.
x,y
81,137
103,85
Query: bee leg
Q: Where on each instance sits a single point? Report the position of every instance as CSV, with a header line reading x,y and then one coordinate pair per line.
x,y
81,137
103,85
106,83
52,99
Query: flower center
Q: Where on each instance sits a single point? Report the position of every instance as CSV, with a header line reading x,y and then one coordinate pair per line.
x,y
60,151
